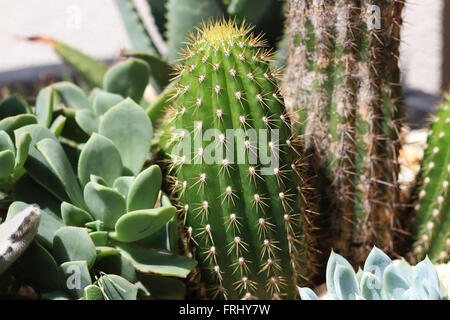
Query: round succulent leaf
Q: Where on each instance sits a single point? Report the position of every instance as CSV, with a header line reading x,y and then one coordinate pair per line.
x,y
145,189
74,277
129,128
87,121
11,107
74,216
115,287
116,264
12,123
7,163
160,68
103,251
123,184
55,156
345,283
137,225
22,148
93,292
156,262
100,238
73,244
104,101
71,95
71,129
333,261
128,78
104,203
101,158
307,294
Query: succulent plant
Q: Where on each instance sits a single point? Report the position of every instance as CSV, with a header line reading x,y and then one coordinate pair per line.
x,y
381,279
107,231
431,226
16,235
241,188
342,85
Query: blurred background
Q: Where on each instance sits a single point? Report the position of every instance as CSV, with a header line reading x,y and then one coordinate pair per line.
x,y
96,28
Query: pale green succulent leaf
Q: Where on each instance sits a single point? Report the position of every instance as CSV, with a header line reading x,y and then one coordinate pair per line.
x,y
345,283
73,244
115,287
74,277
144,191
74,216
307,294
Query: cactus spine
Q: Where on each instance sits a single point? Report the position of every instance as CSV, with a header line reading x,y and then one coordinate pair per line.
x,y
248,227
432,223
342,84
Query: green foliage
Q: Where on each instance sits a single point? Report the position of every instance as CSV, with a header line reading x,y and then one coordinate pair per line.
x,y
431,226
381,279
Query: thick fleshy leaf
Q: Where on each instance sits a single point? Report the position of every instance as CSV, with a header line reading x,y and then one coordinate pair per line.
x,y
71,129
137,225
99,157
46,101
123,184
160,68
105,204
117,288
96,225
345,283
426,280
128,78
7,163
376,262
12,123
116,264
73,244
93,292
37,166
74,216
74,277
104,101
100,238
57,125
87,121
59,163
11,107
307,294
71,95
6,143
145,189
333,261
149,261
394,283
22,148
129,128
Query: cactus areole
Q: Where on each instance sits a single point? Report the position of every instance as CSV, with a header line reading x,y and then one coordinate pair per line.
x,y
239,181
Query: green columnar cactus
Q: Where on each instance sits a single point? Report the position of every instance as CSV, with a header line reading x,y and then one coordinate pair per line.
x,y
431,227
245,215
342,85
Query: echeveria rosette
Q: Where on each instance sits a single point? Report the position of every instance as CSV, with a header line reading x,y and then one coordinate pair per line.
x,y
380,279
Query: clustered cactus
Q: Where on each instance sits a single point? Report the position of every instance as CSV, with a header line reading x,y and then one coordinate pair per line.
x,y
431,227
245,216
342,86
381,279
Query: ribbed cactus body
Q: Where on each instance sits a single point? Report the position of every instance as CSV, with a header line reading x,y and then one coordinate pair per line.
x,y
431,228
245,217
342,85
